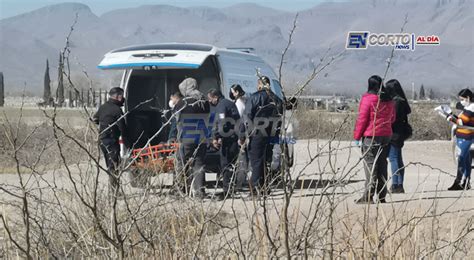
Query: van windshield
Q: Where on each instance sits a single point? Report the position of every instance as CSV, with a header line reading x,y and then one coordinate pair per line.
x,y
145,120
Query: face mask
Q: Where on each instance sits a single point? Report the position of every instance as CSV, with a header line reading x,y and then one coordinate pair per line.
x,y
122,102
171,104
464,103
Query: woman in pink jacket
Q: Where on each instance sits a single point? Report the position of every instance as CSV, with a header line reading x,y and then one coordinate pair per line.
x,y
373,131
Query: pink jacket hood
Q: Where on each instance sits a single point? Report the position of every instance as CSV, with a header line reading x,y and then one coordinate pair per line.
x,y
375,118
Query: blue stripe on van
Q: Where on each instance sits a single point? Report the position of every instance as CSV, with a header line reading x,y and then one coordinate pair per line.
x,y
158,64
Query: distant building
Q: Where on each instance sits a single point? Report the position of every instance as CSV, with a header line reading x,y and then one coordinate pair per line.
x,y
329,103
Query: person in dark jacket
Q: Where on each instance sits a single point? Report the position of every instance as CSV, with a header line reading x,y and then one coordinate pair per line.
x,y
225,137
263,112
193,143
170,115
111,123
401,131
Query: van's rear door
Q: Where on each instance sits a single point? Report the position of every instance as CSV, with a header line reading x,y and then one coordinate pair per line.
x,y
159,56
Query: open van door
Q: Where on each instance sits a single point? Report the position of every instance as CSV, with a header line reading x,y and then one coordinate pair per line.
x,y
153,72
158,56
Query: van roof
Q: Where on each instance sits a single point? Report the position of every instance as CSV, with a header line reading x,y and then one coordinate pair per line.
x,y
211,49
182,55
167,46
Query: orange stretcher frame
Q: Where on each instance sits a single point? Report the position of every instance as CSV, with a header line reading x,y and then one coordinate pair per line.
x,y
156,158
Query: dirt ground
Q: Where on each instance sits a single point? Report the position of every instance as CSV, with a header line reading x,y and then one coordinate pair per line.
x,y
327,169
430,171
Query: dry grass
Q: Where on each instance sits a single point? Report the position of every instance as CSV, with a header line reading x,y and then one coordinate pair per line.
x,y
427,124
66,213
34,133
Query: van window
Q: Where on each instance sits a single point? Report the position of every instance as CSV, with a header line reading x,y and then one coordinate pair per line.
x,y
276,88
240,68
146,119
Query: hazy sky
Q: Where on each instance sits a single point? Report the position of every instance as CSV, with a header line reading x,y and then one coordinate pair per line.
x,y
13,7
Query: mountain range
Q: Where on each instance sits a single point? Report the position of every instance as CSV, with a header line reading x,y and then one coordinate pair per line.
x,y
27,40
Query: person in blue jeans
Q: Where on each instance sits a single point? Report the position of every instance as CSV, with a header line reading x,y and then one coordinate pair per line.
x,y
401,132
464,135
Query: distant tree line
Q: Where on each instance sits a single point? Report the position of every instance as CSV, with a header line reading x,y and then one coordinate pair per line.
x,y
76,98
422,94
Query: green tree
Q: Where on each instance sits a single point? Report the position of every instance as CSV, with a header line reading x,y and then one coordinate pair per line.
x,y
431,94
422,95
47,86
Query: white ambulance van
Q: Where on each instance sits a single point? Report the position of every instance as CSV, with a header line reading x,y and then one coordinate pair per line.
x,y
155,71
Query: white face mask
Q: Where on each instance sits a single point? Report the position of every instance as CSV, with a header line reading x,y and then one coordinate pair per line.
x,y
171,104
465,103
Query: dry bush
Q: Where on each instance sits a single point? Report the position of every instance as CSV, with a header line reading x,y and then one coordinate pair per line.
x,y
427,124
66,213
37,146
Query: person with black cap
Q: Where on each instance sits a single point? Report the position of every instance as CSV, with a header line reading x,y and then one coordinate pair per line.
x,y
111,123
262,116
225,137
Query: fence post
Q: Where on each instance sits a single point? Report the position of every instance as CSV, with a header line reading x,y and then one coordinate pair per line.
x,y
76,97
2,91
100,97
105,96
70,98
82,97
94,101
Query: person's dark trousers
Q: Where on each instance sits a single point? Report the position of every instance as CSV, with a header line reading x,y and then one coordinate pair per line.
x,y
242,168
229,151
111,150
192,157
396,164
464,160
257,149
375,151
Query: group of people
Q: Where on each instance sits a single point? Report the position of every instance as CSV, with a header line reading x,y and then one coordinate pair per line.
x,y
234,134
242,132
245,128
382,128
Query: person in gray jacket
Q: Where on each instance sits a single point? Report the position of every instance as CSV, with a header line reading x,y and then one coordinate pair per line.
x,y
192,149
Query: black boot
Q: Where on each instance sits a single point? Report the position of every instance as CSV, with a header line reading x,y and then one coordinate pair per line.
x,y
456,186
400,188
466,185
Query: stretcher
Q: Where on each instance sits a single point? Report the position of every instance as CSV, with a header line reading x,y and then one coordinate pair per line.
x,y
152,161
155,159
